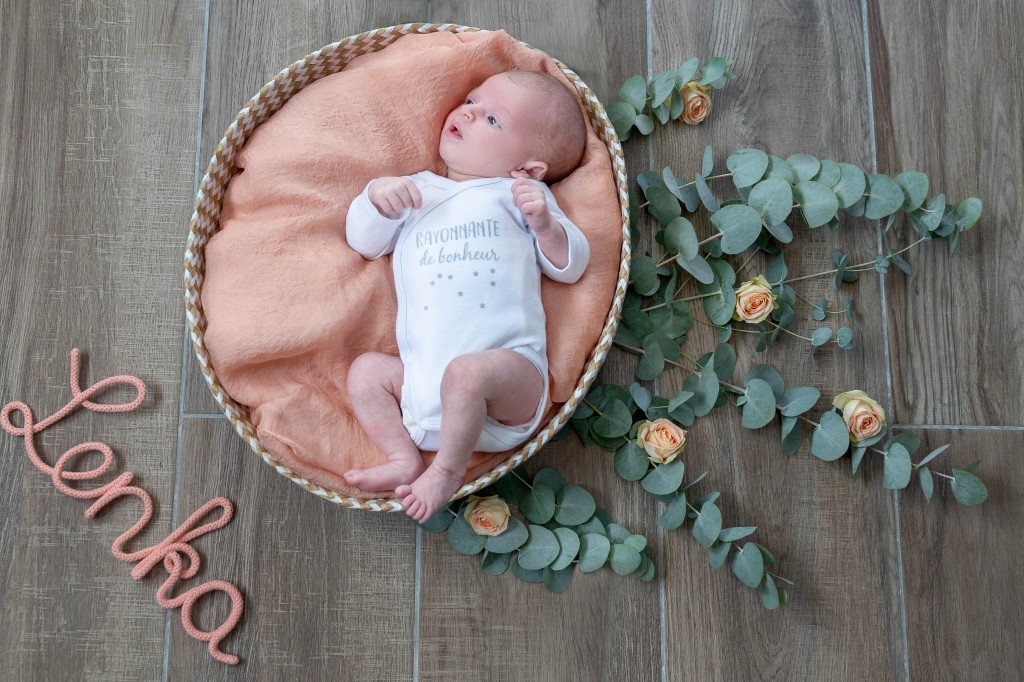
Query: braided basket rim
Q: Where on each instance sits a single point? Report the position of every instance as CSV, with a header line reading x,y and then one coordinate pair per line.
x,y
205,222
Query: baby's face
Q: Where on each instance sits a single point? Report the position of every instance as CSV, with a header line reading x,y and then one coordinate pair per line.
x,y
488,135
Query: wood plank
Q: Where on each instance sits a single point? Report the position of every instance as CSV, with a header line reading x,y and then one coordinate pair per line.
x,y
327,589
965,134
99,100
249,43
965,615
833,536
590,631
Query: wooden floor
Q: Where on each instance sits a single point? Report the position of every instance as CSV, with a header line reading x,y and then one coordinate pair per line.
x,y
109,111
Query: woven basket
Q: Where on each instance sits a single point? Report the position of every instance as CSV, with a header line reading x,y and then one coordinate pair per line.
x,y
205,223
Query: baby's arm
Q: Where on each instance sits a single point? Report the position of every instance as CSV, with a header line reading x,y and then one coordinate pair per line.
x,y
378,213
562,250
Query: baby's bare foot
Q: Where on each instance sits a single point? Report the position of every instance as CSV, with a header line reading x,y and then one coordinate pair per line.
x,y
428,493
402,467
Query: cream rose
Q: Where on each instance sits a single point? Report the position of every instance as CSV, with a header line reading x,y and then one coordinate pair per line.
x,y
754,301
864,417
487,515
696,103
661,440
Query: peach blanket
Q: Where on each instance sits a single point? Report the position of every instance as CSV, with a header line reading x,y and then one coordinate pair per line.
x,y
289,305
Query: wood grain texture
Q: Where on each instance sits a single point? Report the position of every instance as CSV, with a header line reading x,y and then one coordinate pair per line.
x,y
604,627
800,65
329,591
948,96
965,611
98,104
249,43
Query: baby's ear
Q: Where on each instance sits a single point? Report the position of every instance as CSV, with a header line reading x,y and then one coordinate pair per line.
x,y
535,169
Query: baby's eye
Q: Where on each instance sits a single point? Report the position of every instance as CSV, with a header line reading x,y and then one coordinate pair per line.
x,y
493,121
468,101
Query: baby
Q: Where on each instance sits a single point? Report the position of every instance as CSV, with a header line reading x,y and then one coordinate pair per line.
x,y
469,250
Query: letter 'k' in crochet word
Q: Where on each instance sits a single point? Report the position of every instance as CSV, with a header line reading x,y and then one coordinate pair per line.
x,y
171,549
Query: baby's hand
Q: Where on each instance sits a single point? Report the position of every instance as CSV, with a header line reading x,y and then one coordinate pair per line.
x,y
529,198
393,195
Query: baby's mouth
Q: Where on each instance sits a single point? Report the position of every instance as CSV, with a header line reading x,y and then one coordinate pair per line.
x,y
454,131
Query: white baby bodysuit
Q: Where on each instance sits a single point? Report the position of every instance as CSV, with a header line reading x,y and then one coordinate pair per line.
x,y
467,275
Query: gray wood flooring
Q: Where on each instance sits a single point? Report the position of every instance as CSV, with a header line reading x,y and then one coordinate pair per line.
x,y
109,111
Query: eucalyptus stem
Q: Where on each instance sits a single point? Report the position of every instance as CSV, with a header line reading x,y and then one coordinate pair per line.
x,y
688,298
746,261
853,268
526,483
716,326
829,312
805,338
594,407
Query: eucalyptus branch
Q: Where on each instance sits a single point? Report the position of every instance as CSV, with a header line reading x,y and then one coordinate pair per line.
x,y
860,267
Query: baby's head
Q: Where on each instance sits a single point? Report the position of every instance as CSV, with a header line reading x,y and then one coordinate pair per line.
x,y
515,122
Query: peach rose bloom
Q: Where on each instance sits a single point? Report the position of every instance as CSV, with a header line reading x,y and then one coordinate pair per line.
x,y
661,439
487,515
754,301
696,103
864,417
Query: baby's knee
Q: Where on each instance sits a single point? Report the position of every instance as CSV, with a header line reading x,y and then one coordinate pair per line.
x,y
463,376
366,370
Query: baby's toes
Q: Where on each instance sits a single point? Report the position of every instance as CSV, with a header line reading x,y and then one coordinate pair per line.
x,y
403,491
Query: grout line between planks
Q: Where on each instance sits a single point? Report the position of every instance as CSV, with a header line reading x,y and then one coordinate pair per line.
x,y
202,415
663,640
416,605
886,346
185,340
958,427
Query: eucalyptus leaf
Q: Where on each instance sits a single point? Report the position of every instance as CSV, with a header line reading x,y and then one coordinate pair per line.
x,y
829,174
818,203
759,409
680,238
897,467
778,168
856,456
675,512
634,92
924,476
559,581
622,116
769,375
968,488
511,487
569,547
644,124
495,564
653,361
933,454
707,197
663,205
527,576
631,462
643,272
844,337
712,70
617,534
624,559
804,166
850,188
637,542
707,166
615,421
915,189
740,226
510,540
777,270
747,166
720,306
540,550
820,336
664,478
792,434
795,401
440,521
769,593
662,86
830,440
737,533
708,525
699,268
724,361
538,505
718,553
748,565
686,71
463,539
967,212
574,505
594,550
884,197
772,198
641,395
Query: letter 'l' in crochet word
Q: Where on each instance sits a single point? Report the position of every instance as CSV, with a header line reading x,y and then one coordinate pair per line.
x,y
171,549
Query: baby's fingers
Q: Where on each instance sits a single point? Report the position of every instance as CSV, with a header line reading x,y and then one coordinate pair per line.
x,y
411,194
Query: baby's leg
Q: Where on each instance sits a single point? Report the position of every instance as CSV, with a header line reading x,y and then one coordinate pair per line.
x,y
375,389
500,383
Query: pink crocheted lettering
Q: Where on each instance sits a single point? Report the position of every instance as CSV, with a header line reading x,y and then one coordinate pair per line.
x,y
171,550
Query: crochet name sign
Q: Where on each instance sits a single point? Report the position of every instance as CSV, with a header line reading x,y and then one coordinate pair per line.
x,y
172,549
